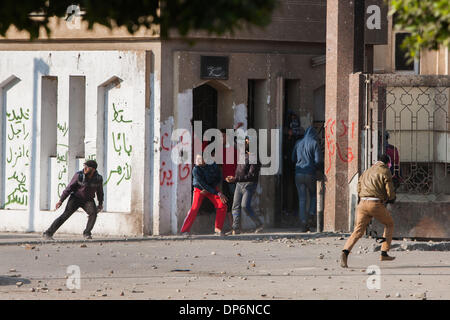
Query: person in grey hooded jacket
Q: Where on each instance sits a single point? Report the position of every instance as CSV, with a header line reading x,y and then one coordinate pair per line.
x,y
307,157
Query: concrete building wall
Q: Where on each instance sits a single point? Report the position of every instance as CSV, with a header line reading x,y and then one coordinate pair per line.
x,y
268,69
58,109
118,97
430,62
290,17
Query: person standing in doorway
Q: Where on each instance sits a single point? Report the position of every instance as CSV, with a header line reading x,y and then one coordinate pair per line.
x,y
206,178
229,164
246,180
375,189
82,189
290,200
307,158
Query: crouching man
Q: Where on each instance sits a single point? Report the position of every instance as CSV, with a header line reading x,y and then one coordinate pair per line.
x,y
81,189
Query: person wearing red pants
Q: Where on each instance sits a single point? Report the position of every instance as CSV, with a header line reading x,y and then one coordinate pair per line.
x,y
206,178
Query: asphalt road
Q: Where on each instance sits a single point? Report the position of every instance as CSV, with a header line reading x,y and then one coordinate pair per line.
x,y
221,268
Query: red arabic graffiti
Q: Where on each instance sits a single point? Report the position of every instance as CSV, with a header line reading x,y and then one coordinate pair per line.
x,y
184,170
165,176
331,132
165,135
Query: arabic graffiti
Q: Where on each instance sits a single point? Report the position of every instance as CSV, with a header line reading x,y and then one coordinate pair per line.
x,y
121,147
165,174
20,193
334,131
19,153
19,116
91,157
116,137
125,171
116,115
17,156
184,171
63,128
62,160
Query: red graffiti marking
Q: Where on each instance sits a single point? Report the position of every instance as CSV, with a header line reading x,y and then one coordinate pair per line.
x,y
184,168
345,129
349,156
166,176
162,142
332,144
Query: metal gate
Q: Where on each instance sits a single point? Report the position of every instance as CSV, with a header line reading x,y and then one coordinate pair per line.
x,y
408,119
415,134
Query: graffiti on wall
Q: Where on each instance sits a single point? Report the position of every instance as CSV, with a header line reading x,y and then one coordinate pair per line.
x,y
18,156
62,161
63,128
121,169
334,130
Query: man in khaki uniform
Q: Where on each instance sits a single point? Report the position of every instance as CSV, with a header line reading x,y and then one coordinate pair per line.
x,y
375,189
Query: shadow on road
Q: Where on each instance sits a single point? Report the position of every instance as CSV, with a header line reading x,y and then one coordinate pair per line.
x,y
12,281
19,236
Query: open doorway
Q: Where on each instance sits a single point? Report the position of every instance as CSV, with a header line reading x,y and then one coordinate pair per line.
x,y
205,110
292,132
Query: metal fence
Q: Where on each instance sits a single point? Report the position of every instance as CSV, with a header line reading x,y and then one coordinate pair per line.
x,y
415,132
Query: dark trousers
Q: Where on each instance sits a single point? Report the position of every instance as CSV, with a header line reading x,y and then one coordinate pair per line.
x,y
228,190
242,201
290,196
72,205
306,182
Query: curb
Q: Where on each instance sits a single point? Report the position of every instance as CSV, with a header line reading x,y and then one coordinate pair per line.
x,y
240,237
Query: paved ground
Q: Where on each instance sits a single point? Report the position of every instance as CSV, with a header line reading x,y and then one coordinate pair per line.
x,y
274,265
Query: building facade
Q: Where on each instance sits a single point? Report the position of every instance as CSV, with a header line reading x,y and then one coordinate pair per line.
x,y
117,98
400,108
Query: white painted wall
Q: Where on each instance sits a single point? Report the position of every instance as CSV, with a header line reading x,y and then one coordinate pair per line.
x,y
110,87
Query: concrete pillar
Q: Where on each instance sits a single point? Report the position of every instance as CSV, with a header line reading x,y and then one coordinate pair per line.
x,y
338,154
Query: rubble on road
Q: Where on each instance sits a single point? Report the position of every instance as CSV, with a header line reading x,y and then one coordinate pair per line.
x,y
418,246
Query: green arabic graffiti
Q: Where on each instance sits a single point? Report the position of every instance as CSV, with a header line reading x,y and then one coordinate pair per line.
x,y
19,194
116,115
21,153
118,150
61,186
18,117
63,128
126,170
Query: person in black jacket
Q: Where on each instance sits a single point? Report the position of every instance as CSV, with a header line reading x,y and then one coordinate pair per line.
x,y
81,191
246,179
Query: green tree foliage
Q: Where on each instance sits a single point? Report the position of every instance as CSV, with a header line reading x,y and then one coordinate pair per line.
x,y
428,21
213,16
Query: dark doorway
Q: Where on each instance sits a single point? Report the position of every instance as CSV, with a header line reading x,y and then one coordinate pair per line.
x,y
205,106
205,110
292,132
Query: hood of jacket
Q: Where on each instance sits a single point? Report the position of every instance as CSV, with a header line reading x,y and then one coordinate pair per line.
x,y
307,154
